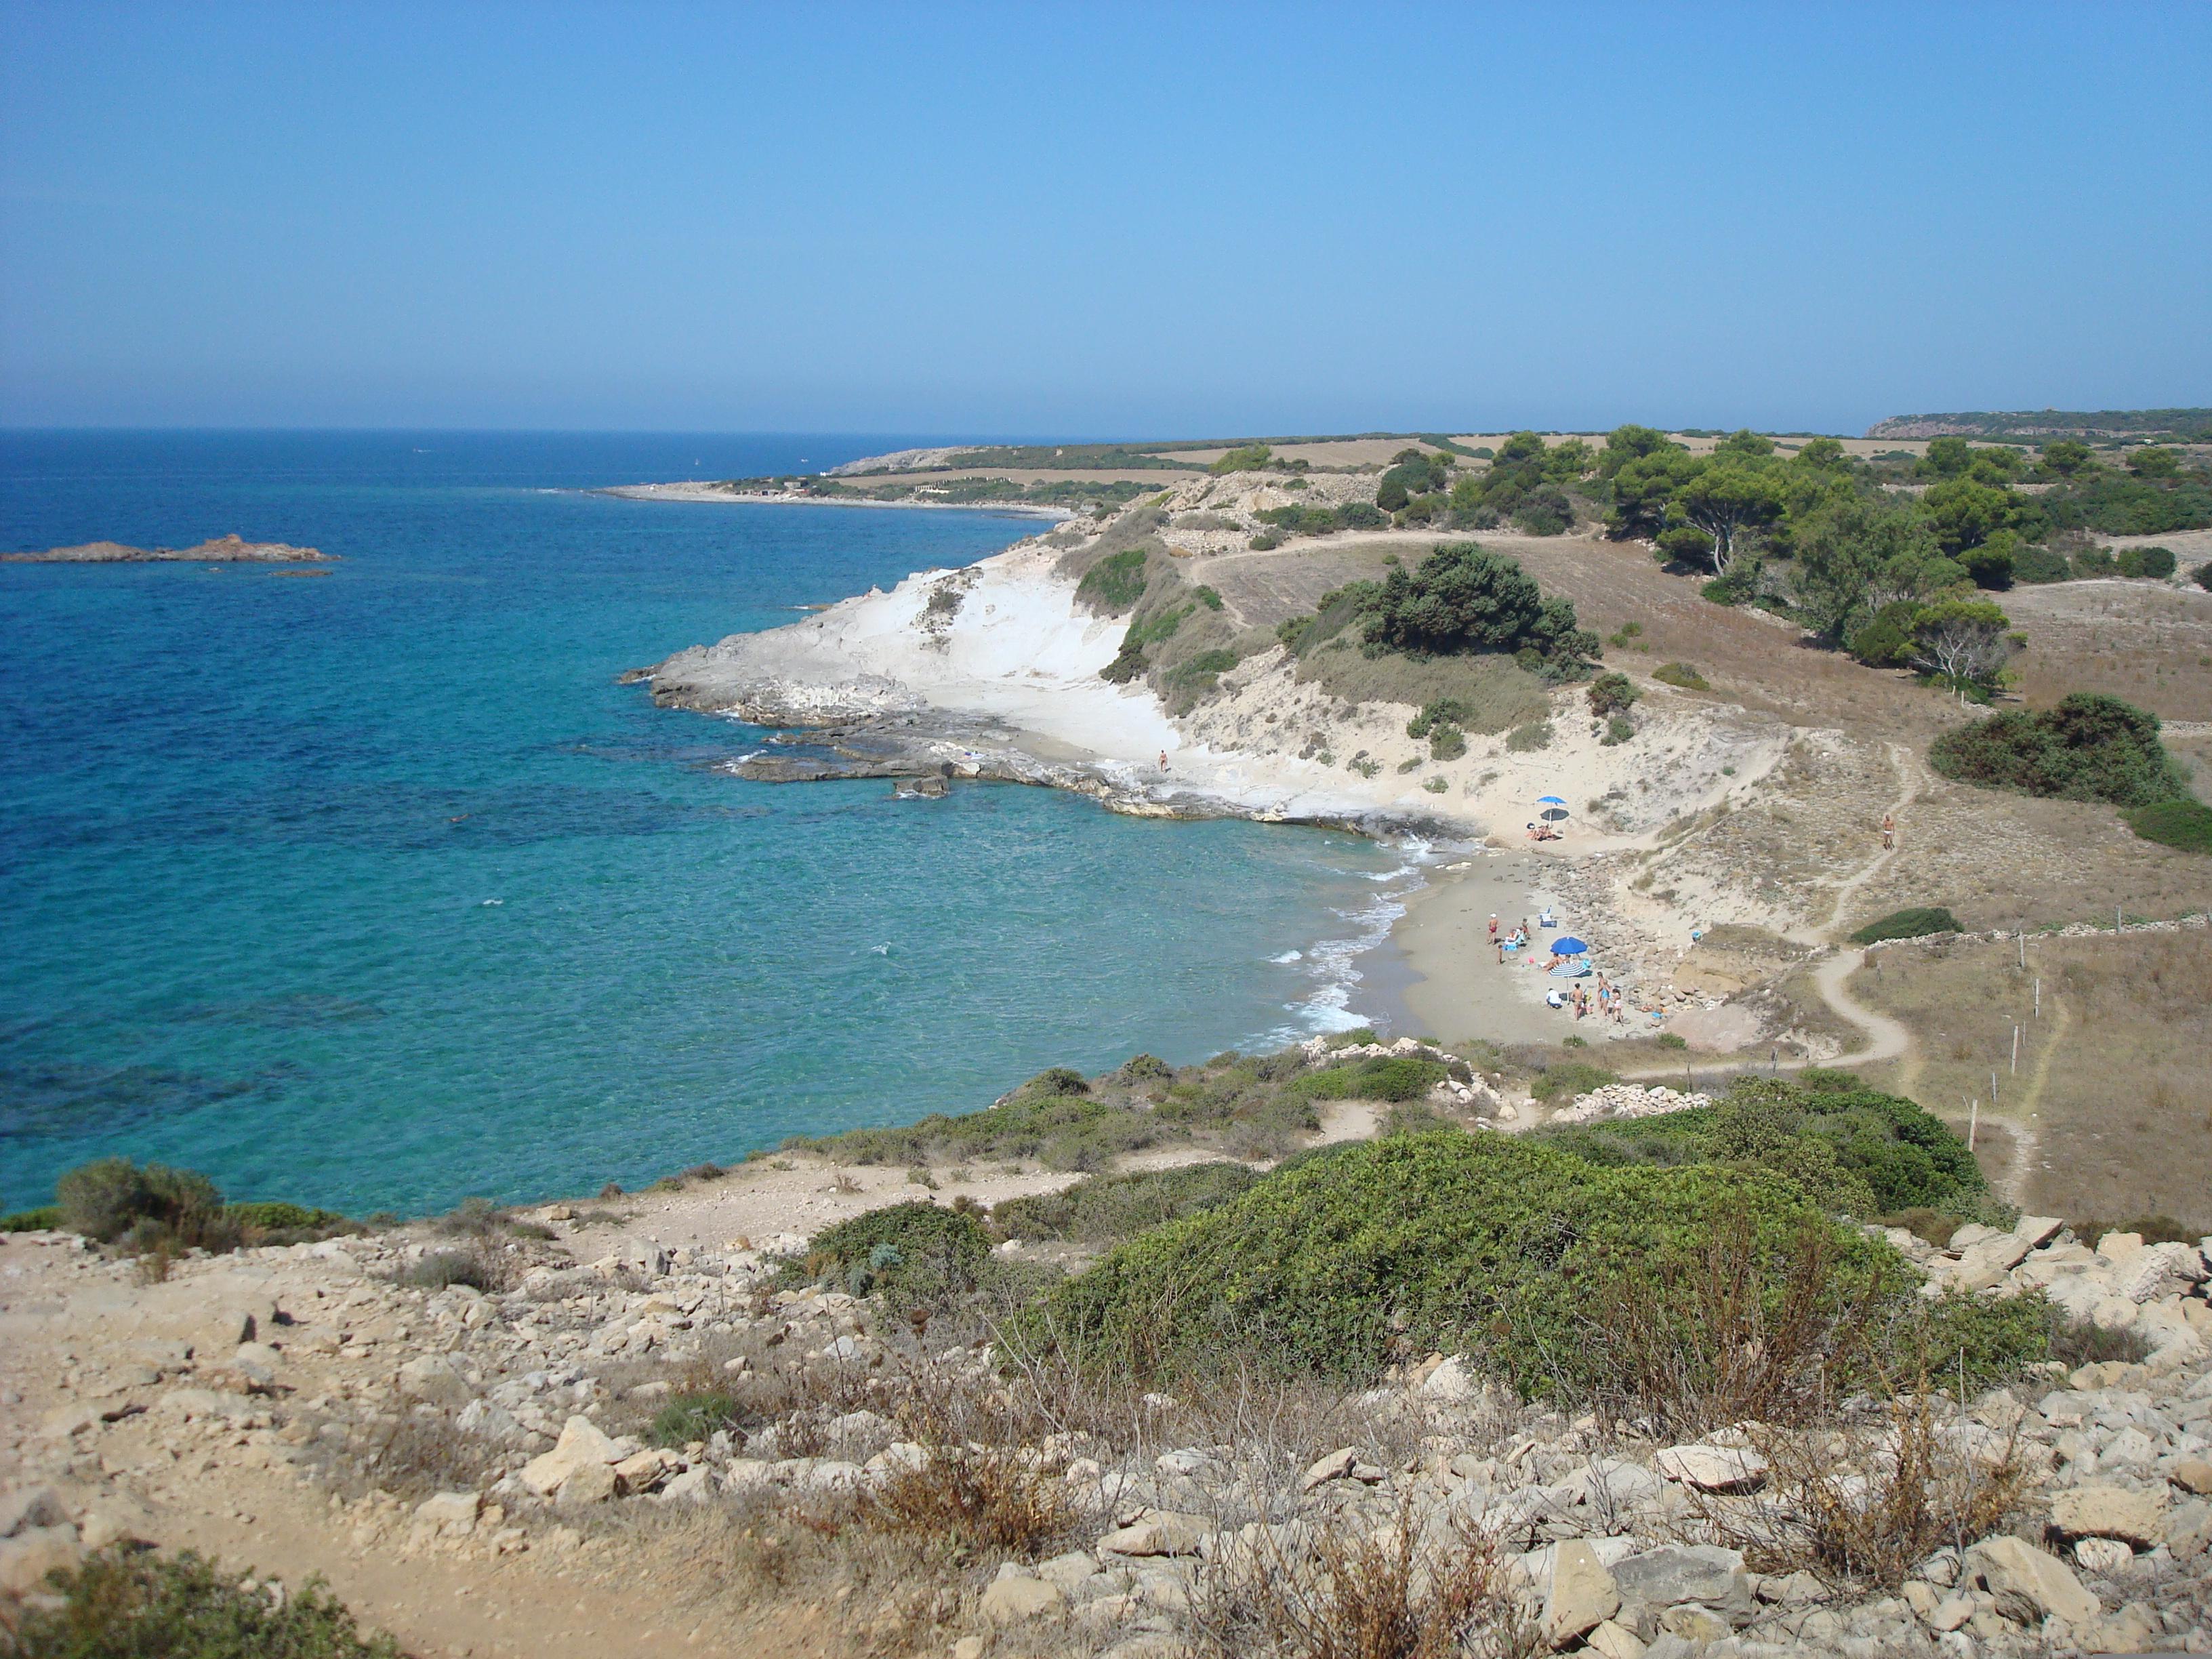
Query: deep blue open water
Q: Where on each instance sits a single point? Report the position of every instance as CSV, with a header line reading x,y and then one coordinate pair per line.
x,y
374,889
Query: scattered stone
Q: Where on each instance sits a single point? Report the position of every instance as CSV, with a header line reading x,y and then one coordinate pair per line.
x,y
2032,1579
582,1444
1582,1594
2137,1518
2102,1555
434,1380
1159,1532
1016,1598
1713,1468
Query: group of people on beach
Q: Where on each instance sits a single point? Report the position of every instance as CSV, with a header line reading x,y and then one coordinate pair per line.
x,y
1601,1000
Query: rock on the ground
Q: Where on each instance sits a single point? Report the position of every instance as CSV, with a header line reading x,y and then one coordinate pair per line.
x,y
1582,1592
2137,1518
2032,1579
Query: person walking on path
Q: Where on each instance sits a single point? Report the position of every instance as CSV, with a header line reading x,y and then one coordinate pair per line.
x,y
1163,760
1889,831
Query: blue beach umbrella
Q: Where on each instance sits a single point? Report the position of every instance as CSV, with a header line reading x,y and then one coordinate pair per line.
x,y
1549,801
1568,947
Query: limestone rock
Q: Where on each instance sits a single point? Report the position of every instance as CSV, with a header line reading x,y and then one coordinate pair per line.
x,y
582,1443
1713,1468
589,1483
2193,1474
1159,1532
31,1506
1019,1597
1677,1573
453,1513
2135,1517
1582,1592
2041,1582
2102,1555
1612,1641
434,1380
33,1552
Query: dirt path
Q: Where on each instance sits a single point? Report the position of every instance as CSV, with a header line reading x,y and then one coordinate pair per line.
x,y
2027,1133
1886,1038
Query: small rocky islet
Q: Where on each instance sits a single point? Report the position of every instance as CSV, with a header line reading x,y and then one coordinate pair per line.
x,y
220,550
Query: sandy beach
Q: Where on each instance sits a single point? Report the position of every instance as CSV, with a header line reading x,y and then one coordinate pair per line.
x,y
698,490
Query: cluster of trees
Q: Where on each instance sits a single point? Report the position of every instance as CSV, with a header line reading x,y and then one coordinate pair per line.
x,y
1462,600
1284,522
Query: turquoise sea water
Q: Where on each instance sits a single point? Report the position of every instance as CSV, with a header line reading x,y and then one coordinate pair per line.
x,y
374,889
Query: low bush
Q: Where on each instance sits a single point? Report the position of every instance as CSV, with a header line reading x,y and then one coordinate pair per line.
x,y
1536,734
2203,574
691,1417
42,1219
1379,1077
2090,747
980,1501
1479,1243
1680,674
2186,824
914,1254
115,1201
2157,562
442,1268
1612,694
1913,923
2038,565
1115,583
1107,1209
1447,743
1906,1158
125,1604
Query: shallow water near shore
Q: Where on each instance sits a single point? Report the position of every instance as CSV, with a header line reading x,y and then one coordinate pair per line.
x,y
374,889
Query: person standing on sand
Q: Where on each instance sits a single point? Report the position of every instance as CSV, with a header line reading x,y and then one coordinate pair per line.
x,y
1493,927
1163,760
1889,831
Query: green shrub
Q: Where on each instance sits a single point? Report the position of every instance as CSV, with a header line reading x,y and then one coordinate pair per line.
x,y
1447,743
1618,730
1436,786
2157,562
1465,598
1673,1040
2038,564
2090,747
1906,1158
113,1200
1612,694
1107,1209
1913,923
1245,458
124,1604
689,1417
1378,1077
1058,1080
1207,597
1438,711
48,1217
1681,674
2186,824
1536,734
2203,574
1115,583
1481,1243
915,1254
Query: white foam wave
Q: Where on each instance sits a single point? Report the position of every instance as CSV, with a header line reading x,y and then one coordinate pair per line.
x,y
1289,956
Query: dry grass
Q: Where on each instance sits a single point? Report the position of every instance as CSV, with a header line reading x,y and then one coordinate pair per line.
x,y
2150,644
1866,1507
2107,1113
1721,1356
1345,1591
973,1503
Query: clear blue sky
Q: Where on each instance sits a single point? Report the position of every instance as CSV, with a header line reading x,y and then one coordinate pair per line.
x,y
1098,221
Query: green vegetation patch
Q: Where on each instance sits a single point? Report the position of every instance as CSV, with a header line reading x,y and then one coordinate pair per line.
x,y
1901,1157
1479,1243
2186,824
127,1605
1912,923
1115,583
1379,1077
915,1252
2090,747
1108,1209
1680,674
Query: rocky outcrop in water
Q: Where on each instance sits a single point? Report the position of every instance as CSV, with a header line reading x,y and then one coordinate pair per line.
x,y
223,549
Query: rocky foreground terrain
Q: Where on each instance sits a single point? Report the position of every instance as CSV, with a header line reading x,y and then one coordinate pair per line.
x,y
498,1472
